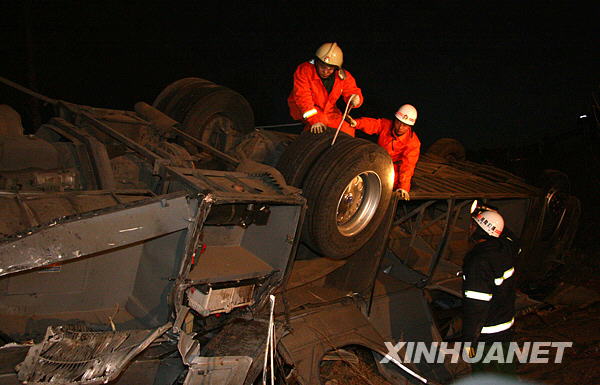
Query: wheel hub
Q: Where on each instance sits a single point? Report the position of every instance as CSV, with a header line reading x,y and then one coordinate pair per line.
x,y
218,132
358,203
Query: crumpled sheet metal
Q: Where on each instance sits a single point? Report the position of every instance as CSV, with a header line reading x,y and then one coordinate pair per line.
x,y
228,370
223,370
69,356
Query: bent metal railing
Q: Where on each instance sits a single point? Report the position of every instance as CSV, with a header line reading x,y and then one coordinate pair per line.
x,y
418,219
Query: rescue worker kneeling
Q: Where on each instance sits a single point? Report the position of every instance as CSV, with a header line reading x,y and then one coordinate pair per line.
x,y
489,287
399,140
318,84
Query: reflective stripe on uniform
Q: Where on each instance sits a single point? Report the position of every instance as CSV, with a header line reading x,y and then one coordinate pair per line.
x,y
506,275
497,328
478,295
309,113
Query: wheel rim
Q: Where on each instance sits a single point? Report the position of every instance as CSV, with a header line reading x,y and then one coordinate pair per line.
x,y
554,213
358,203
219,131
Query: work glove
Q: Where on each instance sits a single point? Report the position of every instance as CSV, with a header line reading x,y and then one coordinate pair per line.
x,y
351,121
354,100
318,128
470,351
404,195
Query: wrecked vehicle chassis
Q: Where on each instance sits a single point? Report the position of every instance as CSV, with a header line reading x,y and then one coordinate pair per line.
x,y
143,250
116,245
133,249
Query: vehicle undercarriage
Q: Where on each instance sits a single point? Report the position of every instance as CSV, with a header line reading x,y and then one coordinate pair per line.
x,y
146,245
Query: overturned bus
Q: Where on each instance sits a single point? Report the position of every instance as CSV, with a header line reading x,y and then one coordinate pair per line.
x,y
177,244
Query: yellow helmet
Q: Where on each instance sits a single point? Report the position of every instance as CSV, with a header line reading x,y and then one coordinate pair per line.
x,y
330,53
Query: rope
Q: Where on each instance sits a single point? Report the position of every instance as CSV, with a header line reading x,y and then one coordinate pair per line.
x,y
269,348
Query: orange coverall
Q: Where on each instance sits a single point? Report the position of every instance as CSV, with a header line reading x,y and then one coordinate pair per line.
x,y
309,100
404,149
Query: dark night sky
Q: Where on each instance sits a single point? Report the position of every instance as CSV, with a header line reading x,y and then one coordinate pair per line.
x,y
486,75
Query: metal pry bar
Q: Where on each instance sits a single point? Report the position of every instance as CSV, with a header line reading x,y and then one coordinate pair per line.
x,y
348,108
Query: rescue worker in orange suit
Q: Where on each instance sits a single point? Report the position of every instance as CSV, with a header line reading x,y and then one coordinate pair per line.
x,y
399,140
489,288
318,84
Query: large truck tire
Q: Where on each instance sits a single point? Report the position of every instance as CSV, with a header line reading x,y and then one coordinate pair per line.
x,y
447,148
302,154
348,190
172,92
212,113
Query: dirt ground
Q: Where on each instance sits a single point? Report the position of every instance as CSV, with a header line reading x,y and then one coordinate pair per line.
x,y
580,363
347,372
574,316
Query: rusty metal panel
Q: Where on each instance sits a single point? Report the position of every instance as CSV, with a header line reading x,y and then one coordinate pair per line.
x,y
25,210
229,186
15,154
465,180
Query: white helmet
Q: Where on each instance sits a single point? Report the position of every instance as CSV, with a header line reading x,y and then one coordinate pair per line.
x,y
490,221
407,114
330,53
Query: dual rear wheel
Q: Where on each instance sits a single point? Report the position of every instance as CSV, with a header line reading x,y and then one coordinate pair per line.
x,y
348,186
212,113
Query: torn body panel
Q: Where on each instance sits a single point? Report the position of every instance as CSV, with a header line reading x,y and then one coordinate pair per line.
x,y
83,357
228,370
324,329
165,248
73,238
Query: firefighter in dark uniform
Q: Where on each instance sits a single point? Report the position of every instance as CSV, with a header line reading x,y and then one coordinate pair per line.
x,y
489,287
